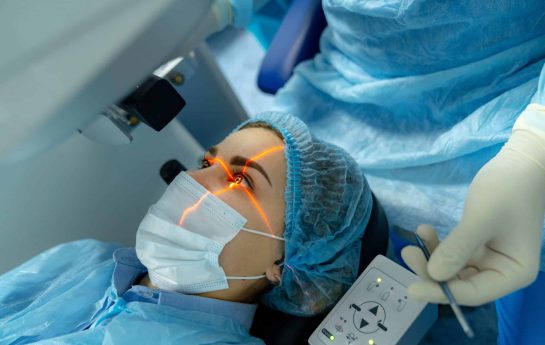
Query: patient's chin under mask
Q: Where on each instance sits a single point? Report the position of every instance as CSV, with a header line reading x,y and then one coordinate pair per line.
x,y
180,238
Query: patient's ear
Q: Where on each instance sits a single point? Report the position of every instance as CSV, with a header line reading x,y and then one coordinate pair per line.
x,y
274,274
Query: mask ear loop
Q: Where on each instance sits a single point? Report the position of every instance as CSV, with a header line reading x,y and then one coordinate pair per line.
x,y
251,277
246,278
261,275
264,234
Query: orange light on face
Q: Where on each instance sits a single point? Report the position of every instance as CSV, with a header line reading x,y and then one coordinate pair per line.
x,y
220,192
258,208
236,183
261,155
191,208
224,166
194,207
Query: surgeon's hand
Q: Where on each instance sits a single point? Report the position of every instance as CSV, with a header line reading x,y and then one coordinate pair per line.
x,y
495,249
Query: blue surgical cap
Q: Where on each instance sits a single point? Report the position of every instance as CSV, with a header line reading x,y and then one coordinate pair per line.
x,y
328,205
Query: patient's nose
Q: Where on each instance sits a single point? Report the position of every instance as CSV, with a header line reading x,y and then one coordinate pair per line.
x,y
212,178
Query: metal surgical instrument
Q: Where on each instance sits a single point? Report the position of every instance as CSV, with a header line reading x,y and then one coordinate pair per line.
x,y
453,304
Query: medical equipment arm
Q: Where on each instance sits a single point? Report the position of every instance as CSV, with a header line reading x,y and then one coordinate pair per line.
x,y
64,63
495,249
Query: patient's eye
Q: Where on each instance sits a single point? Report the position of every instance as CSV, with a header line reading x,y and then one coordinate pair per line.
x,y
205,163
242,179
238,177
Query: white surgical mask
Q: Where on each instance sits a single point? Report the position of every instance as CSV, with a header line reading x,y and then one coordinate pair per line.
x,y
185,258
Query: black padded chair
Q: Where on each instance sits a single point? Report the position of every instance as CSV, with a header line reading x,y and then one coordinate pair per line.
x,y
275,327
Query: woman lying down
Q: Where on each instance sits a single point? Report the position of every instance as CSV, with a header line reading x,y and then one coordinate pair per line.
x,y
272,215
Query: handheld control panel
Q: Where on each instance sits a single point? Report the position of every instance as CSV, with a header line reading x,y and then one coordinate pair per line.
x,y
376,310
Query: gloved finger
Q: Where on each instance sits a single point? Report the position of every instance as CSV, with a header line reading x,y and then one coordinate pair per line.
x,y
427,291
467,272
415,259
481,288
452,254
430,291
427,233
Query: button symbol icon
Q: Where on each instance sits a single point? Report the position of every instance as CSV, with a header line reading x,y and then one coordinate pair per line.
x,y
401,305
384,296
351,337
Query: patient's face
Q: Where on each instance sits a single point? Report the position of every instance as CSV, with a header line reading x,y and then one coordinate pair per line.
x,y
257,194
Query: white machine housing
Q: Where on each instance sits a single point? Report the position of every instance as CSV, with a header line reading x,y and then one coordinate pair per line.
x,y
65,62
376,310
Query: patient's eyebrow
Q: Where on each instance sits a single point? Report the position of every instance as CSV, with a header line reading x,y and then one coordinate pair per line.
x,y
243,161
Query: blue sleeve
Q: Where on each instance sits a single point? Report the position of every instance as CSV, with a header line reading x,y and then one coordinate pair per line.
x,y
22,285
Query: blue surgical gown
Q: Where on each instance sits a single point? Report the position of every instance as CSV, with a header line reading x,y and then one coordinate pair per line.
x,y
422,93
82,293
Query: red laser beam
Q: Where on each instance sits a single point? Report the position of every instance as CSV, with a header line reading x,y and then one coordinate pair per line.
x,y
258,208
261,155
224,166
236,183
192,208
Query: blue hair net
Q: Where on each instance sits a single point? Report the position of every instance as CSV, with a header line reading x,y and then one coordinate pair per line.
x,y
328,204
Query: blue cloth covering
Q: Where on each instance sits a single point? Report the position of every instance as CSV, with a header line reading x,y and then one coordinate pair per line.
x,y
521,315
422,93
76,293
327,207
267,20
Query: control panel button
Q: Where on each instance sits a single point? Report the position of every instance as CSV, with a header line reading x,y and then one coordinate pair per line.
x,y
376,310
369,317
400,305
328,334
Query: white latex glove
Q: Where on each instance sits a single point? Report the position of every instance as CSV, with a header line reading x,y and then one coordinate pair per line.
x,y
495,249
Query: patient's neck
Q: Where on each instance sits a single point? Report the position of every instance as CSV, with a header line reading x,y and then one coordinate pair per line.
x,y
146,282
